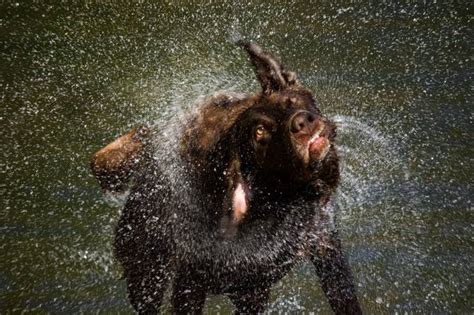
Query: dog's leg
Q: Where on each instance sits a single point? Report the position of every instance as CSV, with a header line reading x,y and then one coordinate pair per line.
x,y
145,289
332,268
188,295
250,302
146,264
147,277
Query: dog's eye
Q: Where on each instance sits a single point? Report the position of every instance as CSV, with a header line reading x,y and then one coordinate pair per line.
x,y
260,133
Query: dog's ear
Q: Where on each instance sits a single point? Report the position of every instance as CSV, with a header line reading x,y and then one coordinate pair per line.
x,y
270,72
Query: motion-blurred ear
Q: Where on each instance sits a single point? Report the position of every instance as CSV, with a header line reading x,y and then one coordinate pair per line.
x,y
115,163
270,72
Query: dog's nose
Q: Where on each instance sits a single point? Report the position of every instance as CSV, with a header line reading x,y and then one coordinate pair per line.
x,y
303,123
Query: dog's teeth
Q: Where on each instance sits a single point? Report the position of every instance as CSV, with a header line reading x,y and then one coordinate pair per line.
x,y
315,136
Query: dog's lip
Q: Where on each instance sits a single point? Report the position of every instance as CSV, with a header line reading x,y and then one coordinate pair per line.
x,y
319,148
316,134
318,145
307,139
315,146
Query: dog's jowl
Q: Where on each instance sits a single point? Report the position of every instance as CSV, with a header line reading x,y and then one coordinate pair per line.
x,y
246,197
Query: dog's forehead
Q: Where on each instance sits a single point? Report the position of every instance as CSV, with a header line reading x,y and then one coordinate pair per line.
x,y
282,105
289,101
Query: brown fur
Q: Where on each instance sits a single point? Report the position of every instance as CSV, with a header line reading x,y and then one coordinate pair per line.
x,y
246,198
114,164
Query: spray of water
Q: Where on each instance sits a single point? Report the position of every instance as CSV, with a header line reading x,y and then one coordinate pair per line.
x,y
395,78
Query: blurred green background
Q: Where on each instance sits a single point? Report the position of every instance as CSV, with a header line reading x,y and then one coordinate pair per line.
x,y
396,78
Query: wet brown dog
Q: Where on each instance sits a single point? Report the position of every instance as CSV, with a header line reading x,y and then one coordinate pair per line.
x,y
244,199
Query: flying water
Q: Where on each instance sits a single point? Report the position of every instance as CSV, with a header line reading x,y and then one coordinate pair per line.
x,y
371,163
394,77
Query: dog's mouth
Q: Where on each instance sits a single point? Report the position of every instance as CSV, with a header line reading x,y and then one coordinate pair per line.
x,y
318,145
314,146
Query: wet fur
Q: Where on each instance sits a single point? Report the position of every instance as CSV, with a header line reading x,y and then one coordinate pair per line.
x,y
175,227
114,164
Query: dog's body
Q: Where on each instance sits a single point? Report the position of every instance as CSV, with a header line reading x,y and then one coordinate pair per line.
x,y
244,198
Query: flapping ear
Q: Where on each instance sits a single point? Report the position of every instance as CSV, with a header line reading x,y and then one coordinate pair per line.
x,y
270,72
114,164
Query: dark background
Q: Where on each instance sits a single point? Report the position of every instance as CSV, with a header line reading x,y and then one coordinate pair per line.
x,y
396,78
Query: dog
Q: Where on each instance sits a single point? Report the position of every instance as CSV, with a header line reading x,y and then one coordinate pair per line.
x,y
243,198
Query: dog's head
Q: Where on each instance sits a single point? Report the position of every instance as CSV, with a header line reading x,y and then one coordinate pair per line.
x,y
275,144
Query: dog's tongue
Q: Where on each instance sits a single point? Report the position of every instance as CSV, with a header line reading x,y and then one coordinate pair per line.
x,y
239,202
319,148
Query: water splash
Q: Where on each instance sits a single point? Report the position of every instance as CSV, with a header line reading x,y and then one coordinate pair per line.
x,y
78,75
116,199
370,162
